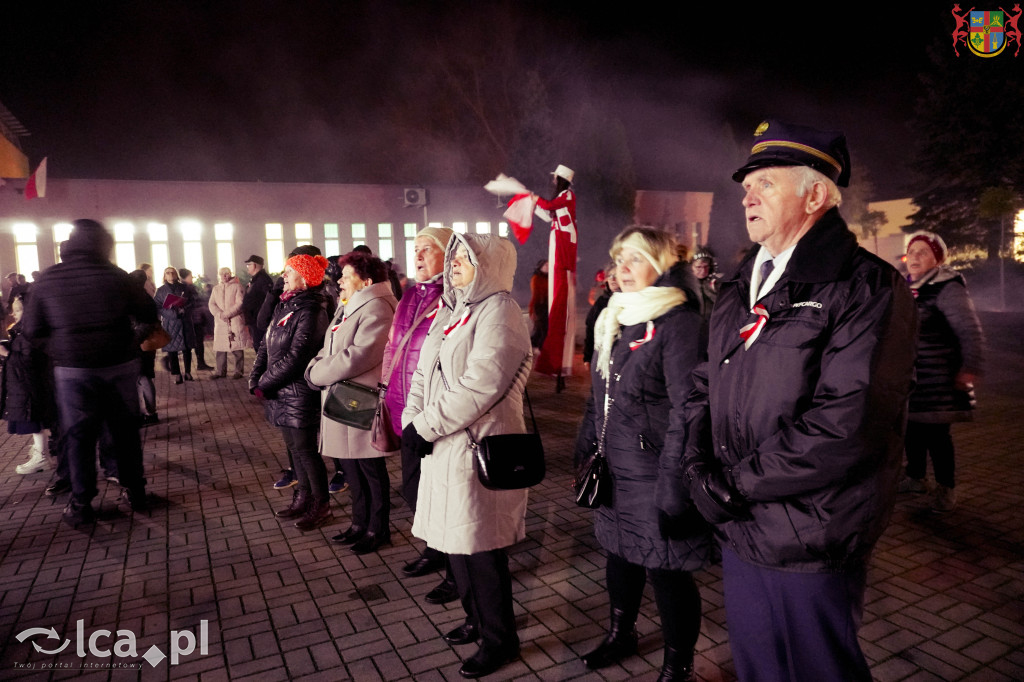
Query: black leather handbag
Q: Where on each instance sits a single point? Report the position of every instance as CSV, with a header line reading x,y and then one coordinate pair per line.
x,y
593,486
351,404
593,483
509,461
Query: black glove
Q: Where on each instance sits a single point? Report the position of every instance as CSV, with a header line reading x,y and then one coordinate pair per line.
x,y
414,445
714,493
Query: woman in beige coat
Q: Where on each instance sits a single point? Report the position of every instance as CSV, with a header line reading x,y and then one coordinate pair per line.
x,y
230,335
471,375
354,351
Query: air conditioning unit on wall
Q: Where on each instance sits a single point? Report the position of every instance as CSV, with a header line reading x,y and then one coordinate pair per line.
x,y
415,196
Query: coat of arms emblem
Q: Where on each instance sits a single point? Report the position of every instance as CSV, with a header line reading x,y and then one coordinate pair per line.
x,y
986,32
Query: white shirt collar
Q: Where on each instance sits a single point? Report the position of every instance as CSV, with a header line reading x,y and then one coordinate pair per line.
x,y
780,262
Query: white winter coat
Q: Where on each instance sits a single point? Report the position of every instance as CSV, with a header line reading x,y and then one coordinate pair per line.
x,y
354,351
226,301
471,373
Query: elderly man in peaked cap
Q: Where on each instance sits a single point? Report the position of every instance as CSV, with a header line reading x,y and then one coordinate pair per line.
x,y
796,422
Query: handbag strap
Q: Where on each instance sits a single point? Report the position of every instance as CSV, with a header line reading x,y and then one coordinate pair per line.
x,y
608,400
472,441
385,377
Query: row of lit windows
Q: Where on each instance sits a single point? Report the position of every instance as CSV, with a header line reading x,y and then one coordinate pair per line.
x,y
27,253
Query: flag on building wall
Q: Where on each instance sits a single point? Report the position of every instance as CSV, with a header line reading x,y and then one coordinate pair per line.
x,y
35,188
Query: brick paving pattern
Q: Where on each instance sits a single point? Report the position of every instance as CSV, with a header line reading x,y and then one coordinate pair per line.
x,y
944,600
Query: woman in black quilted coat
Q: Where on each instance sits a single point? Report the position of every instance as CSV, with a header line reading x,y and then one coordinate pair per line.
x,y
949,359
293,338
646,345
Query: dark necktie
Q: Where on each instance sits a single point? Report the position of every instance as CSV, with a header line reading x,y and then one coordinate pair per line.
x,y
766,271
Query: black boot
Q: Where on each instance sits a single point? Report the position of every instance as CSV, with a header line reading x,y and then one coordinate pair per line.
x,y
619,643
318,512
300,499
678,666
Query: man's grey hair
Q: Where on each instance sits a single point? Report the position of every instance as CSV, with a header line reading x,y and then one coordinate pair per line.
x,y
805,178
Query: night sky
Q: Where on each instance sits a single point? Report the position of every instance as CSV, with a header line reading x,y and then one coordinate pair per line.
x,y
350,91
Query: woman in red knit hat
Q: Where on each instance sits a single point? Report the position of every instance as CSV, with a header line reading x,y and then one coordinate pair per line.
x,y
292,340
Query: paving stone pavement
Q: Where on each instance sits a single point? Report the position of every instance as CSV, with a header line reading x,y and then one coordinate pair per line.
x,y
945,599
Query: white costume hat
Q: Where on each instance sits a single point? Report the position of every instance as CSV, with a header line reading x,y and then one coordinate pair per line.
x,y
564,172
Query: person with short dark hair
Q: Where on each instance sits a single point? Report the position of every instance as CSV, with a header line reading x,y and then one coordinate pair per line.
x,y
89,335
353,350
796,422
256,292
200,311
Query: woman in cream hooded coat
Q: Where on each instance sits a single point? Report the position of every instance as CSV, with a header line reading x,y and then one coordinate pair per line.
x,y
471,375
354,351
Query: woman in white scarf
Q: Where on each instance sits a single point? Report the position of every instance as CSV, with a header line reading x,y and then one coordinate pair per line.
x,y
647,342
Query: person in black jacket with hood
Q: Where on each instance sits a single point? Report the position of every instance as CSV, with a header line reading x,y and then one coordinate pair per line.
x,y
292,340
88,332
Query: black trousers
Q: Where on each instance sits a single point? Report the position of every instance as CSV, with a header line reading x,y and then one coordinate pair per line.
x,y
485,587
410,491
675,593
370,492
935,440
309,467
173,360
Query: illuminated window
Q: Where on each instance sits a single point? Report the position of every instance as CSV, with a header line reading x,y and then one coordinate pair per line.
x,y
192,234
385,247
159,252
223,235
483,228
459,227
358,234
502,229
274,247
410,230
26,252
61,232
303,234
124,246
331,245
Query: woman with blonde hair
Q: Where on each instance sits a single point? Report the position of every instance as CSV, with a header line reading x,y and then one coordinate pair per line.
x,y
353,350
176,300
646,344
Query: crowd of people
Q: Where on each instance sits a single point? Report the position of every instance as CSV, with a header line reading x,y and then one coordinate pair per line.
x,y
759,418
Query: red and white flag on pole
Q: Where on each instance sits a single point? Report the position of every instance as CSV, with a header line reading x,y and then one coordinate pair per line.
x,y
35,188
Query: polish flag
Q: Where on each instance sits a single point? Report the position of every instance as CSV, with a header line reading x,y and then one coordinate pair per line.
x,y
35,188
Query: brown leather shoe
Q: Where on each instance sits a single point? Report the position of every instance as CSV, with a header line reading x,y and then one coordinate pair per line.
x,y
300,500
318,512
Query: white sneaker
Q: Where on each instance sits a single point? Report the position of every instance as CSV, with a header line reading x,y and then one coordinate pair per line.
x,y
945,499
37,461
